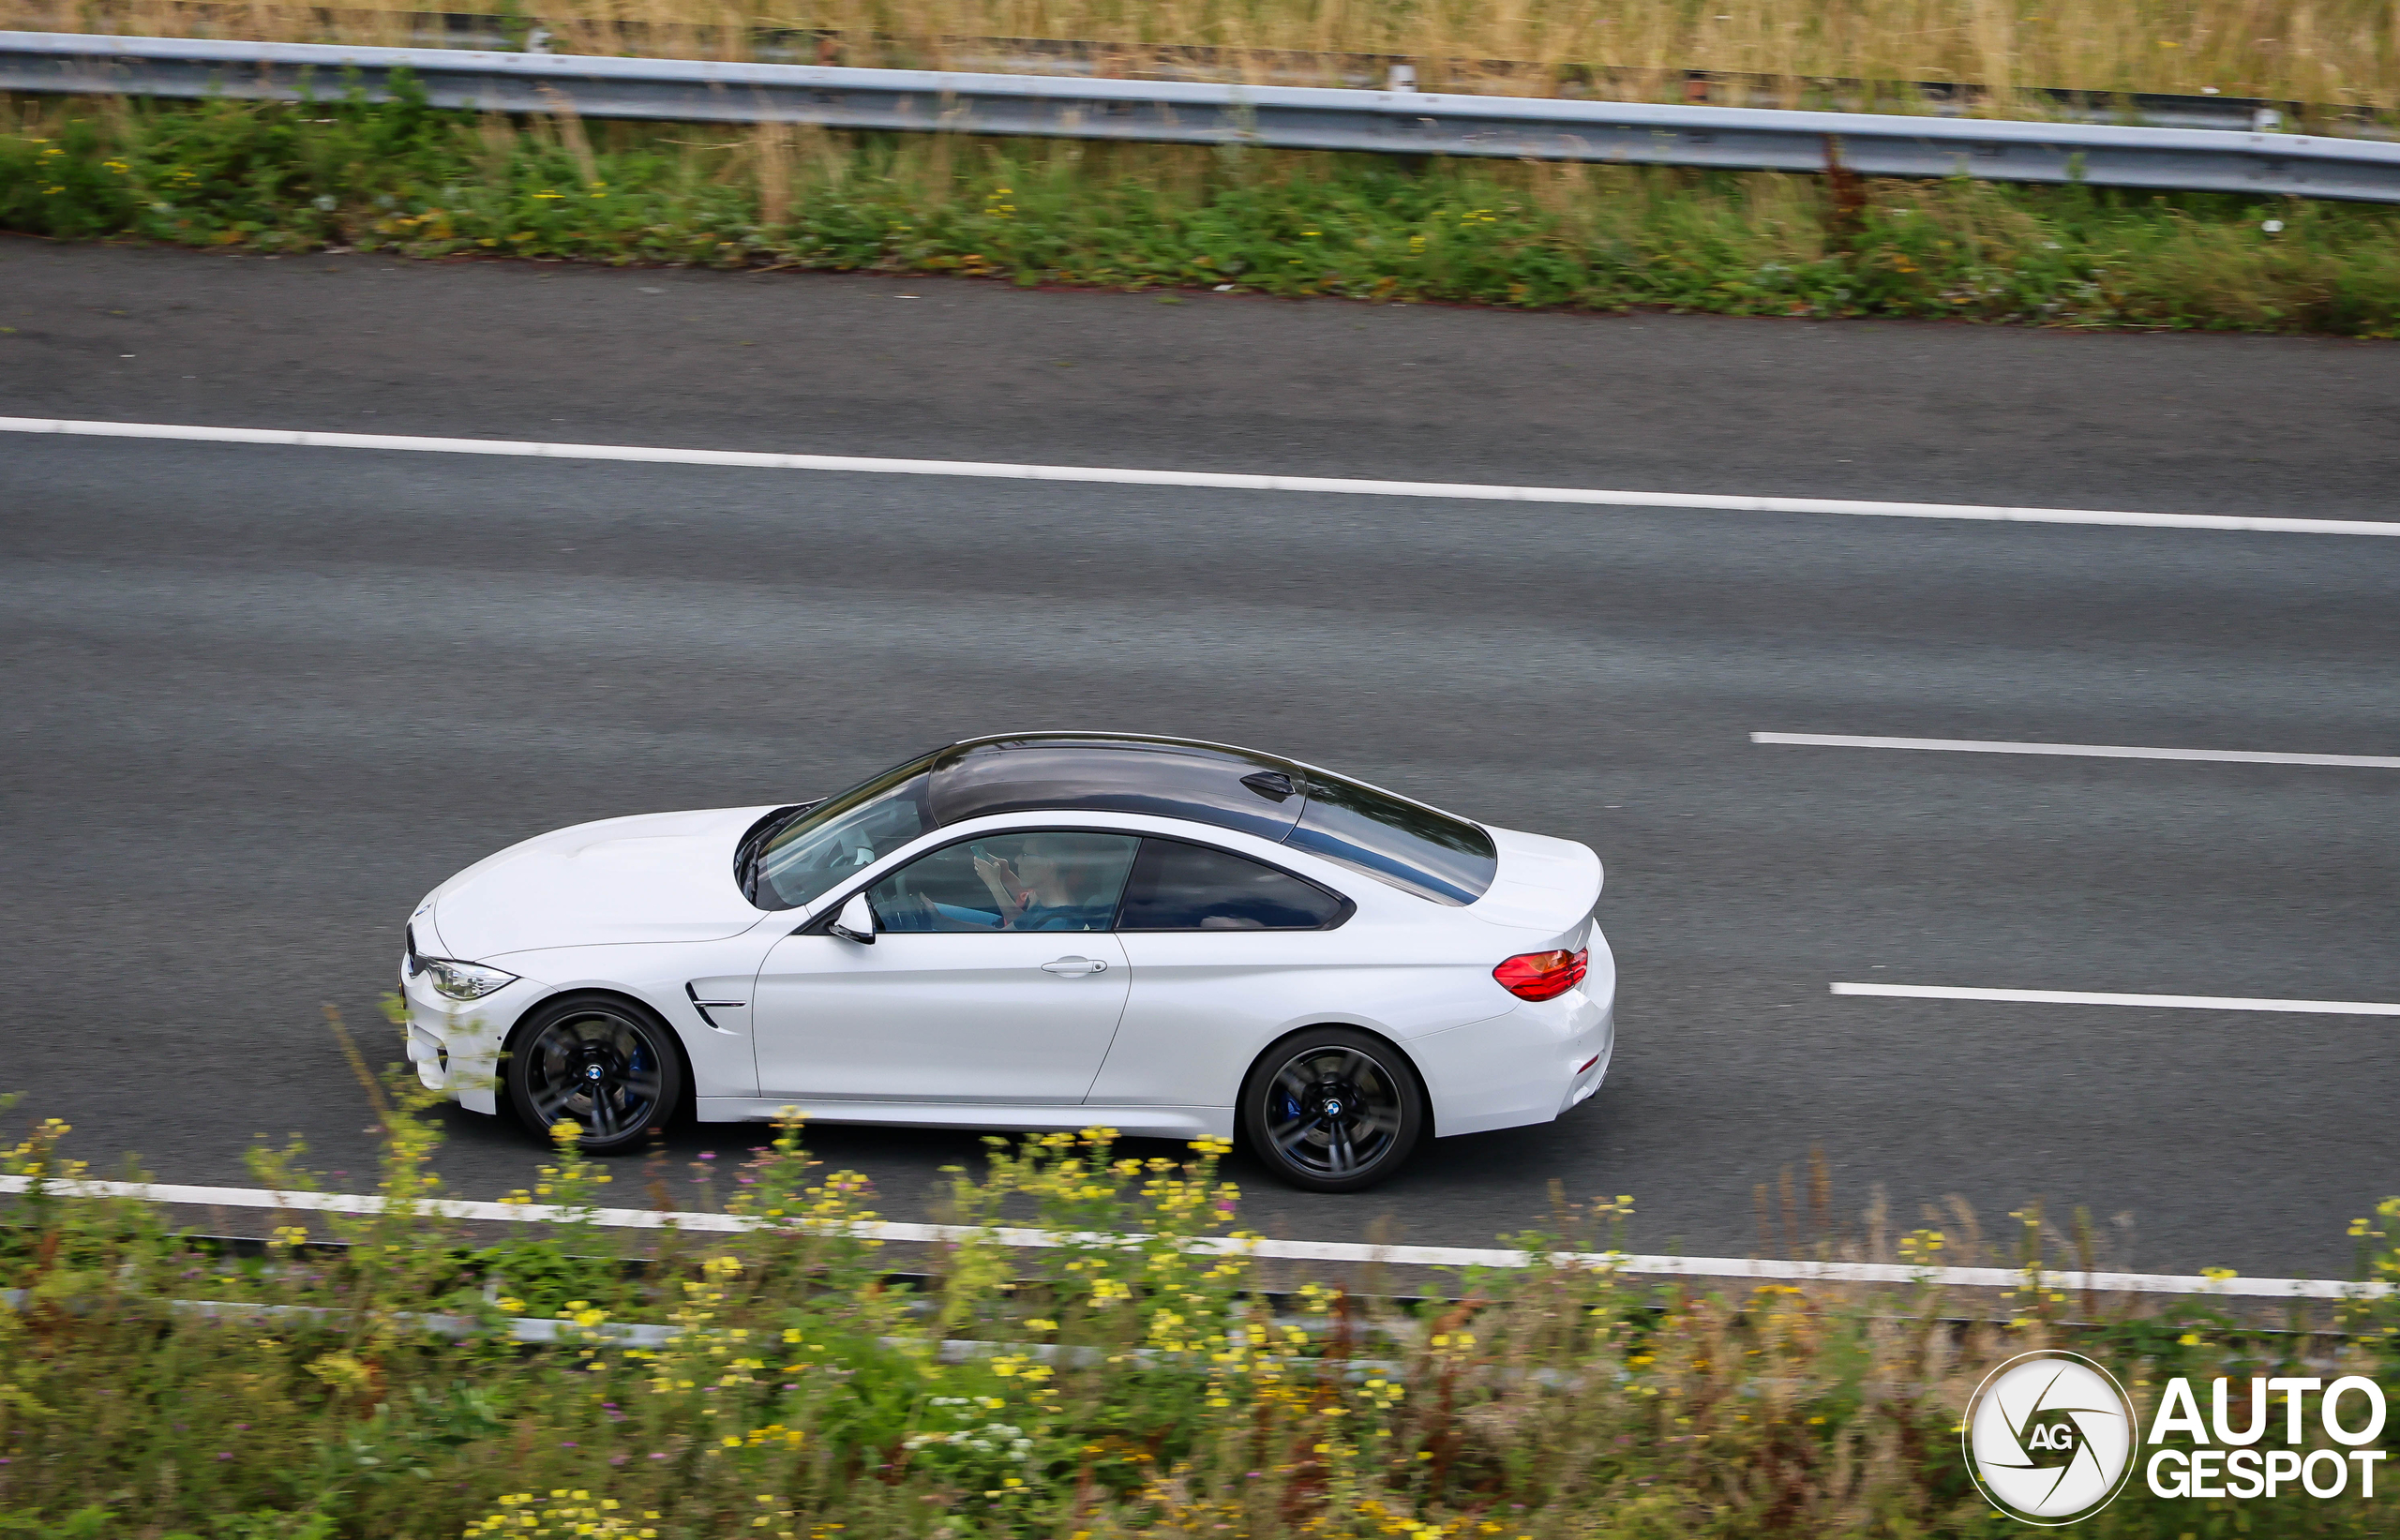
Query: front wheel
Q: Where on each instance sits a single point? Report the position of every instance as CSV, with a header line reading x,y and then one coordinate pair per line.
x,y
1332,1110
606,1066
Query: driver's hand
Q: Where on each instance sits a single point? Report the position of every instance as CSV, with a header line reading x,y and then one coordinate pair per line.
x,y
1001,879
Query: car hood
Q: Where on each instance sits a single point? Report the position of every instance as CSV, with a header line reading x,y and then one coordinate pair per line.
x,y
661,876
1543,884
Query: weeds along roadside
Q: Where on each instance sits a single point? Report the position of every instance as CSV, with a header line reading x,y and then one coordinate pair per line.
x,y
1111,1389
2335,51
411,181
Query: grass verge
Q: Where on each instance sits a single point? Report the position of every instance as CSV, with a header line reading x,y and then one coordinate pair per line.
x,y
1103,1389
415,181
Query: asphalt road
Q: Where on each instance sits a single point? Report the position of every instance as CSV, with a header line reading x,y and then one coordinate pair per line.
x,y
258,700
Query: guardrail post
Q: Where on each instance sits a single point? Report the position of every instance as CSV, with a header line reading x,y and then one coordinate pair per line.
x,y
1848,193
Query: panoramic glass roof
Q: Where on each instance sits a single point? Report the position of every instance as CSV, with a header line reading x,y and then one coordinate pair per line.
x,y
796,855
1405,843
1201,782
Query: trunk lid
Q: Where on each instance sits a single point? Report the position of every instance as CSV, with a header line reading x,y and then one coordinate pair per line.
x,y
1546,888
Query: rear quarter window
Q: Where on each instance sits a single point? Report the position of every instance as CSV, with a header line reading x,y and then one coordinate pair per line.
x,y
1415,848
1179,887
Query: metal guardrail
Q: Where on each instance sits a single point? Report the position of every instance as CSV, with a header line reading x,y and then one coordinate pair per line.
x,y
1189,112
1122,59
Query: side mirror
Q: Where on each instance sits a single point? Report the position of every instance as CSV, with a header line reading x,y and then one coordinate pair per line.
x,y
855,922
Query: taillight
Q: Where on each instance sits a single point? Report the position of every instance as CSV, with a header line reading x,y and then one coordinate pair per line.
x,y
1542,975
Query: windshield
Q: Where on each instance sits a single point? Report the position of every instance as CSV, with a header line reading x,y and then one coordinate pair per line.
x,y
797,864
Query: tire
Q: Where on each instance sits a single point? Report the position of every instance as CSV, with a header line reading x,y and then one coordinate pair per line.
x,y
1332,1109
608,1066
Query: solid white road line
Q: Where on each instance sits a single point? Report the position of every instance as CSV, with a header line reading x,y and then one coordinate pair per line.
x,y
2087,750
2081,997
1195,478
1414,1256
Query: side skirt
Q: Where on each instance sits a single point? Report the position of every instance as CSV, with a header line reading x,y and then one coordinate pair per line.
x,y
1140,1122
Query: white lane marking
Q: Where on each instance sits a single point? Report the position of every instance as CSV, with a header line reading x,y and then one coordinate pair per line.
x,y
2083,997
2087,750
1414,1256
1196,478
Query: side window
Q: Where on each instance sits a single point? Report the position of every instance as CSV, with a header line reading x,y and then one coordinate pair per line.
x,y
1179,887
1048,881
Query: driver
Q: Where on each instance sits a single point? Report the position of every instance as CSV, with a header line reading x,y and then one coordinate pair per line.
x,y
1052,885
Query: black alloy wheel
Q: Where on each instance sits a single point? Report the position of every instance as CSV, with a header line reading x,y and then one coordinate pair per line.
x,y
606,1066
1332,1110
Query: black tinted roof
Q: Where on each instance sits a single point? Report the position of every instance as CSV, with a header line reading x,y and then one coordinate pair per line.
x,y
1095,772
1412,847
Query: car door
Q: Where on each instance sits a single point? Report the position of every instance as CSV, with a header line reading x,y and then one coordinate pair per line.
x,y
1225,948
993,979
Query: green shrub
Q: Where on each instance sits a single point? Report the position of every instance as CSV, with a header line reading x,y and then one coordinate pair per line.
x,y
403,178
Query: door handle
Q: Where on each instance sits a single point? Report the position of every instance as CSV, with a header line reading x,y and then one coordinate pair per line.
x,y
1073,967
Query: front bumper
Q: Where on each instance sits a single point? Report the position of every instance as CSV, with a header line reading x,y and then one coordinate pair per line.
x,y
454,1044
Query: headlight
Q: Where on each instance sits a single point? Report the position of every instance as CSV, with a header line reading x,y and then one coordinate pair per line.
x,y
461,981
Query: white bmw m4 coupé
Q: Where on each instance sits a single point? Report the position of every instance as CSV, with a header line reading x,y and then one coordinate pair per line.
x,y
1045,931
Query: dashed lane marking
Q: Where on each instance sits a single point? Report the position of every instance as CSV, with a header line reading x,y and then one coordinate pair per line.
x,y
2086,751
2084,997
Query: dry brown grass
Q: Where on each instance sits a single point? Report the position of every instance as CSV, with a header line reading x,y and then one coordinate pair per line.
x,y
2335,51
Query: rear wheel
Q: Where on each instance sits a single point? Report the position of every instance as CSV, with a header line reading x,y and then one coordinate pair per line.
x,y
1332,1110
606,1066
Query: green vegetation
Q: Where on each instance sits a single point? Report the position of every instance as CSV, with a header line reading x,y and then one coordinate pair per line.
x,y
1122,1383
2336,53
415,181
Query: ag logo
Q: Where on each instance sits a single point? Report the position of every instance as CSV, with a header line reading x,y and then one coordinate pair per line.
x,y
2049,1438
